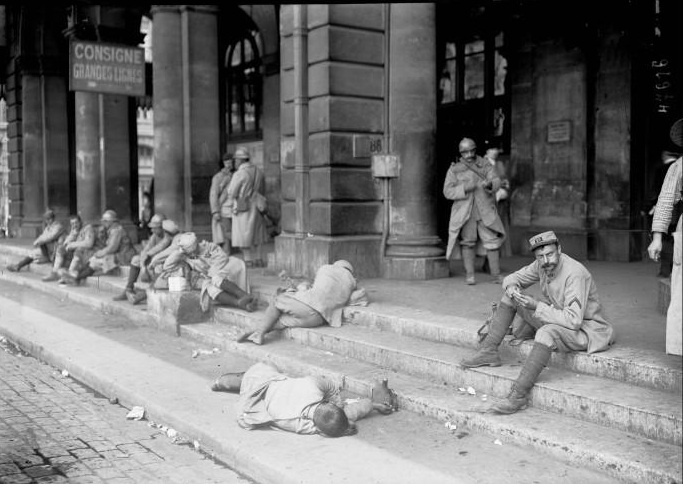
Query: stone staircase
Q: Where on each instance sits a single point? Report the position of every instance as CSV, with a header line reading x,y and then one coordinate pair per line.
x,y
619,411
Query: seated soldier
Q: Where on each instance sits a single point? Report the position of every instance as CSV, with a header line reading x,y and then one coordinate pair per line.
x,y
158,241
307,405
334,288
569,318
46,243
118,251
83,249
78,236
207,267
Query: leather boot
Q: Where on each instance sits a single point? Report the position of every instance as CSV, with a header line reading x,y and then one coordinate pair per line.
x,y
270,319
468,257
519,396
132,277
52,276
488,354
22,263
84,274
228,382
493,256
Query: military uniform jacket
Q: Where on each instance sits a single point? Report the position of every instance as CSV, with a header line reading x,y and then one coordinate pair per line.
x,y
330,292
572,300
457,177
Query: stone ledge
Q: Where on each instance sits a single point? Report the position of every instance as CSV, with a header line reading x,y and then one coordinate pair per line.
x,y
175,308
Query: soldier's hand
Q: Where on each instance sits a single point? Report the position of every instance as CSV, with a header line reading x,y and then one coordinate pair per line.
x,y
217,217
655,248
511,290
382,408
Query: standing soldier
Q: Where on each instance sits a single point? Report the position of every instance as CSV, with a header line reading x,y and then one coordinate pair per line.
x,y
79,237
248,224
475,225
46,243
221,205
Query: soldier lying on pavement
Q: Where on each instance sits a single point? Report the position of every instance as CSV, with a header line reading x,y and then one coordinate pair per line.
x,y
334,288
307,405
206,266
46,243
118,251
78,236
162,235
570,318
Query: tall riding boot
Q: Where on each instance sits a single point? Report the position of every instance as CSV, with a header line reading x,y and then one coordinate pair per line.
x,y
228,382
270,319
130,285
45,255
22,263
488,354
245,300
84,274
519,396
245,303
468,257
493,257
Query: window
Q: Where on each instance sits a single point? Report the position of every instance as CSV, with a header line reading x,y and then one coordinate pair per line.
x,y
244,85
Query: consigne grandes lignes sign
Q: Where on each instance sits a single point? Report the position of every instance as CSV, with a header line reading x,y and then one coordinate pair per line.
x,y
106,68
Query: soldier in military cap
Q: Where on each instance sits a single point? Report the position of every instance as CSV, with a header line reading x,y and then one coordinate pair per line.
x,y
568,318
118,250
45,244
475,226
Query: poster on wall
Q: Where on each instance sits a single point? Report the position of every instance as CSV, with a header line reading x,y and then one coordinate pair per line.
x,y
106,68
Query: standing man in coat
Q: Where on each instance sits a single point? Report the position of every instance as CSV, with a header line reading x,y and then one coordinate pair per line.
x,y
569,318
221,205
475,226
46,244
248,224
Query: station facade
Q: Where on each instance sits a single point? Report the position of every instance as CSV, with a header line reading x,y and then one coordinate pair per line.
x,y
578,101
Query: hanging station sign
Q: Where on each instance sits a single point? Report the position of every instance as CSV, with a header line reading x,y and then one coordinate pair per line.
x,y
106,68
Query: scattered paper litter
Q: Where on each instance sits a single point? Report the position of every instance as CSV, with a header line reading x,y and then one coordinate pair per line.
x,y
497,442
172,433
471,391
136,413
451,426
484,398
195,444
196,353
65,373
461,389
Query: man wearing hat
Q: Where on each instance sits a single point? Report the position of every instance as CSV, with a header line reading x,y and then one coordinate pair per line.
x,y
46,243
475,226
117,251
248,223
221,205
309,306
219,277
670,195
163,231
568,318
79,236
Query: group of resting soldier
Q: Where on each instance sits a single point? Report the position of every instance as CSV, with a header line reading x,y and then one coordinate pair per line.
x,y
568,317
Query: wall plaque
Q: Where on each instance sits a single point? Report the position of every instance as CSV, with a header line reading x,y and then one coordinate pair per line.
x,y
559,131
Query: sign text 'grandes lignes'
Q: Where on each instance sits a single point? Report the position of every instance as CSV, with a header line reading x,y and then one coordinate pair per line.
x,y
106,68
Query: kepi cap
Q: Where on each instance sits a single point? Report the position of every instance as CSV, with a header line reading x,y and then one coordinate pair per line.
x,y
241,153
544,238
109,216
170,226
156,221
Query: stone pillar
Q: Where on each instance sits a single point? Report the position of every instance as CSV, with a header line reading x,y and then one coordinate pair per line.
x,y
36,95
186,112
106,177
345,71
414,250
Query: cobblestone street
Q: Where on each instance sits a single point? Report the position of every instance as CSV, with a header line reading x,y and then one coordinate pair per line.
x,y
53,430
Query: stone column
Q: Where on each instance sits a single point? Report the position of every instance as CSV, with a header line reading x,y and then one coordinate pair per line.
x,y
186,112
414,250
89,171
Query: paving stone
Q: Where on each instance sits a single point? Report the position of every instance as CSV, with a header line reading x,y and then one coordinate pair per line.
x,y
38,471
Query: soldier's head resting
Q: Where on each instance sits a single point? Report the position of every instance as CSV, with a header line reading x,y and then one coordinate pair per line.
x,y
467,149
344,264
187,243
331,420
170,226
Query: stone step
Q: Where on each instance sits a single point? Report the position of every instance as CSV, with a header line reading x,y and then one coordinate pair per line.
x,y
627,456
624,455
651,413
651,369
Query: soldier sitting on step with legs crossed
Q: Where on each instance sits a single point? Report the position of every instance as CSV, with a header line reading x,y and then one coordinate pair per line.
x,y
162,234
79,236
118,251
569,318
46,243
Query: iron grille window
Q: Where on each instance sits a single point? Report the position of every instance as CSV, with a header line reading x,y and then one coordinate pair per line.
x,y
244,85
